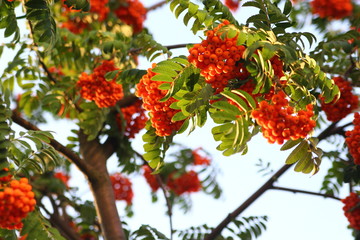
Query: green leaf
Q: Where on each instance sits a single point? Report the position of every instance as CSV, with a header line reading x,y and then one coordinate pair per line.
x,y
37,227
290,144
298,153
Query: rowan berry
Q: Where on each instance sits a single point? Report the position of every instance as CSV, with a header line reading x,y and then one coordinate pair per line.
x,y
160,119
64,178
122,188
132,13
279,122
352,139
150,178
332,9
133,117
95,87
233,5
352,210
16,201
338,109
199,158
6,178
186,183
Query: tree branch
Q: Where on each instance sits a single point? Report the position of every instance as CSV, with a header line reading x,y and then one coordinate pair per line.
x,y
305,192
330,130
169,47
155,6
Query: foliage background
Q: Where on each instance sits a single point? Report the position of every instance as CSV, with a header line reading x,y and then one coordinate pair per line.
x,y
290,216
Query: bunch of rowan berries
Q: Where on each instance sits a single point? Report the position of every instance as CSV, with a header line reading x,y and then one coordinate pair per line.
x,y
95,87
279,121
218,59
332,9
134,117
199,158
160,112
6,178
233,5
185,183
150,178
16,201
352,210
122,188
132,13
337,110
353,139
64,178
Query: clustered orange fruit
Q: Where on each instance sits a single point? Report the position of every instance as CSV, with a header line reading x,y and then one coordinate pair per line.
x,y
353,139
88,236
221,60
135,119
332,9
279,121
337,110
233,5
16,201
186,183
95,87
150,178
218,59
101,8
132,13
122,188
6,178
352,210
160,112
200,159
64,178
76,25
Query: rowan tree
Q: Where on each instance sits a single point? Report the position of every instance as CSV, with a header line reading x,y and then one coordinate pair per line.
x,y
78,60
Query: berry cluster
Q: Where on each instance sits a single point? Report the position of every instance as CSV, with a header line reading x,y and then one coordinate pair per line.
x,y
150,178
135,119
233,5
133,13
122,188
63,178
279,122
16,201
218,59
337,110
332,9
352,210
6,178
199,159
75,25
353,139
95,87
160,112
186,183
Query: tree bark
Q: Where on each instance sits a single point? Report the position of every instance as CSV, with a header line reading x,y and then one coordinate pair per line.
x,y
96,155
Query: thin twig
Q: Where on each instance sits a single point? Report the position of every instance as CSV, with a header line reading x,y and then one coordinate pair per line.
x,y
305,192
156,5
165,193
169,47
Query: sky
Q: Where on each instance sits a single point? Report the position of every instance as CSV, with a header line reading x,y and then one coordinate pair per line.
x,y
291,216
